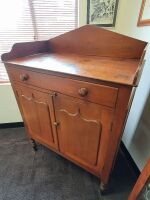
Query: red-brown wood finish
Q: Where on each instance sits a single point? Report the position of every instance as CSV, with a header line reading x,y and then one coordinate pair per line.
x,y
143,178
37,110
26,49
115,70
101,94
74,93
81,127
92,40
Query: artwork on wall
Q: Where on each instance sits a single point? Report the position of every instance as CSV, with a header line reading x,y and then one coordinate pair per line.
x,y
141,190
145,193
144,16
102,12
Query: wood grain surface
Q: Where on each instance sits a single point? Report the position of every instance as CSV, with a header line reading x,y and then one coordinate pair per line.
x,y
92,40
97,93
116,70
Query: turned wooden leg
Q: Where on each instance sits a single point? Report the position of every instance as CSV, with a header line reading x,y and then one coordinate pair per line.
x,y
103,188
34,145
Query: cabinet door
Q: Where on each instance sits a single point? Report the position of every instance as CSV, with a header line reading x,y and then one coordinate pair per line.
x,y
37,110
81,127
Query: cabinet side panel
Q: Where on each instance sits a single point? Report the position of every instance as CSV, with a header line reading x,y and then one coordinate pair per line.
x,y
116,132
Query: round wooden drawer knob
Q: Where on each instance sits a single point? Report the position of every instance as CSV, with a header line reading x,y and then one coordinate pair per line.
x,y
24,77
83,92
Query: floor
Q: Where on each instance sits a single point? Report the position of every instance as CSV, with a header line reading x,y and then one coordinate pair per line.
x,y
44,175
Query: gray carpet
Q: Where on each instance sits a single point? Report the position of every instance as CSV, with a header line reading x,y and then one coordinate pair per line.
x,y
44,175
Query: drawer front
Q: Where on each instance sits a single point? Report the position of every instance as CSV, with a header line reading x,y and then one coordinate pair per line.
x,y
96,93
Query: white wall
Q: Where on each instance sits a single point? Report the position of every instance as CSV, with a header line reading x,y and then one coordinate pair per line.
x,y
136,137
128,12
126,22
138,142
9,111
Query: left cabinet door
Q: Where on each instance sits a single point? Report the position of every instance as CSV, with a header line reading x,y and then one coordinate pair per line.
x,y
38,114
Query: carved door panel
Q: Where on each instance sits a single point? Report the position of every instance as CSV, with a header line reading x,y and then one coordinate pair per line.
x,y
38,114
81,125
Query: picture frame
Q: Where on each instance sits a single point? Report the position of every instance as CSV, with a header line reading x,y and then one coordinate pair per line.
x,y
102,12
144,15
141,190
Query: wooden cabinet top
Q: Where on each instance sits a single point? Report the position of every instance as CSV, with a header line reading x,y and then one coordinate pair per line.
x,y
89,52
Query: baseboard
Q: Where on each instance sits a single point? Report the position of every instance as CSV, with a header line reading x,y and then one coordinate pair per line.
x,y
130,160
11,125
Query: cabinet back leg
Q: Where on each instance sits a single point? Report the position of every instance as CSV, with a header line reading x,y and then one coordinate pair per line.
x,y
34,145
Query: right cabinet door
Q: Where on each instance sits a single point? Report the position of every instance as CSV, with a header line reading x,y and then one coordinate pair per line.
x,y
83,131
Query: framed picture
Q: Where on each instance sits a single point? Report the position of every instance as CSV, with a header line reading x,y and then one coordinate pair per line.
x,y
102,12
144,16
145,192
141,190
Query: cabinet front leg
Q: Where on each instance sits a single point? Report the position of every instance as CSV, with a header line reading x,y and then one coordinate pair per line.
x,y
103,189
34,145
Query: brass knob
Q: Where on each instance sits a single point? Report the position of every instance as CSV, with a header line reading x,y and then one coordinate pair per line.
x,y
53,94
24,77
83,92
56,124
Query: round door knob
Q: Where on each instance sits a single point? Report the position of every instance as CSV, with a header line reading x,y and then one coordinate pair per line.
x,y
24,77
83,92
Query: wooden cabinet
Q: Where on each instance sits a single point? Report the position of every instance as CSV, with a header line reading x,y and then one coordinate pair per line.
x,y
38,113
74,92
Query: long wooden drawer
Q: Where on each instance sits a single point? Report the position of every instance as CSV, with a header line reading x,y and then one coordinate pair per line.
x,y
97,93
